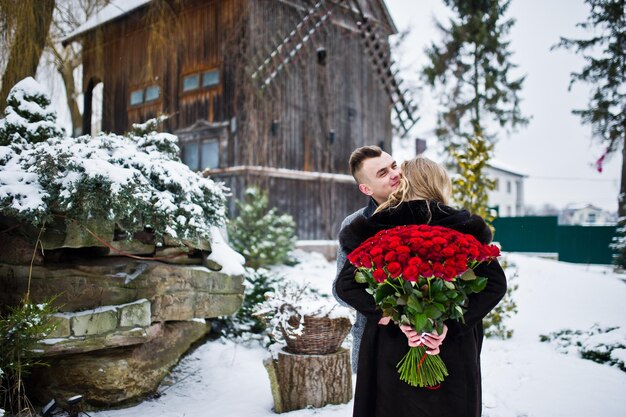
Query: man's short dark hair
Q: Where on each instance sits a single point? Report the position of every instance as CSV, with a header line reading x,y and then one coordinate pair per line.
x,y
360,155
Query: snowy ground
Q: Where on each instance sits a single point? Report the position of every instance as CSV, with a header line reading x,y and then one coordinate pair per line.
x,y
521,376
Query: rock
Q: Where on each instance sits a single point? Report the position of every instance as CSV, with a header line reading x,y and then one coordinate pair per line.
x,y
114,339
135,314
63,328
116,377
73,234
131,247
175,292
94,322
19,250
210,263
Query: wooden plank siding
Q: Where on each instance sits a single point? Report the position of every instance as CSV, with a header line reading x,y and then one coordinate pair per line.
x,y
318,206
118,55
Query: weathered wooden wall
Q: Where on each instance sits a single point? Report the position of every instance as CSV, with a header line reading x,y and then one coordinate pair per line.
x,y
318,206
191,41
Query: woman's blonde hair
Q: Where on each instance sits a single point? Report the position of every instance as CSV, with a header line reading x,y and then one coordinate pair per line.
x,y
422,179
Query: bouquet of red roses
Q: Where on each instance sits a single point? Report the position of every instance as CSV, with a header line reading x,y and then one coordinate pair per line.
x,y
421,275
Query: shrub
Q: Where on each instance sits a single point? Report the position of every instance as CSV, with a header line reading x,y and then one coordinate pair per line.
x,y
495,322
20,331
260,234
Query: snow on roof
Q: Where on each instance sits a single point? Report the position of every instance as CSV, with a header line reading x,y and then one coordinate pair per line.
x,y
495,164
580,206
114,10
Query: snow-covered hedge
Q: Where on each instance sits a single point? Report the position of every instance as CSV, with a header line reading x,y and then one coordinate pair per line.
x,y
137,181
602,345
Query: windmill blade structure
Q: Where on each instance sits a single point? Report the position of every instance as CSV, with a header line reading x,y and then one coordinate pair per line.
x,y
374,44
293,43
404,106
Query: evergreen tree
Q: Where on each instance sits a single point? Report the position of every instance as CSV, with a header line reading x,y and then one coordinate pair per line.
x,y
605,71
469,186
260,234
471,71
28,116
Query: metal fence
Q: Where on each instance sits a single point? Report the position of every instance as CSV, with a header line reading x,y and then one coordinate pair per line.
x,y
578,244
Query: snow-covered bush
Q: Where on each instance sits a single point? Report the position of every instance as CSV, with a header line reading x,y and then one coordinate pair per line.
x,y
495,322
260,234
20,330
28,116
602,345
137,181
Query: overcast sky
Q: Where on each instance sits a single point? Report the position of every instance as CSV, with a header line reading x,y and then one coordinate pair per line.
x,y
554,150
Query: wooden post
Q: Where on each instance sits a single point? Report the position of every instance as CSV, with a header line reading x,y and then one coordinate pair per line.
x,y
300,381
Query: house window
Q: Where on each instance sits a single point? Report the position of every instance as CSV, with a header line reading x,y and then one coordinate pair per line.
x,y
508,187
152,93
191,82
497,184
210,154
210,78
201,155
136,97
145,95
191,158
591,218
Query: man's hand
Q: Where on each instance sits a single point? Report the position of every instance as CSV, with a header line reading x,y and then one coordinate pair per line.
x,y
431,340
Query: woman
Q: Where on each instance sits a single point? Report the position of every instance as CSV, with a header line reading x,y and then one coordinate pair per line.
x,y
421,198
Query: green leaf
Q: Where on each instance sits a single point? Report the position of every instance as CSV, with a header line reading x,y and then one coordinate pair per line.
x,y
468,275
441,297
449,285
414,303
419,321
360,277
402,300
432,311
479,284
383,291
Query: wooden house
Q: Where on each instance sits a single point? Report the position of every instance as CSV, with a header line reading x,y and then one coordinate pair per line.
x,y
275,93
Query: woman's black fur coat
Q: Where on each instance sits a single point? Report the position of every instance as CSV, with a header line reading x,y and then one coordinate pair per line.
x,y
379,391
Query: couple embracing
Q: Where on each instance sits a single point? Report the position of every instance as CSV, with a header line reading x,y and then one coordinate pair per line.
x,y
416,193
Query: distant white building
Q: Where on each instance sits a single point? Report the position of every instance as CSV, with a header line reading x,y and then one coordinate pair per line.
x,y
508,196
586,214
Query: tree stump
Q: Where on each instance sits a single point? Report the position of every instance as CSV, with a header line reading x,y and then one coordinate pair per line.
x,y
300,381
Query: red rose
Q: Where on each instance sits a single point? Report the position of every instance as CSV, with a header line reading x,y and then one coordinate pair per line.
x,y
378,262
379,275
376,251
403,249
426,270
448,251
394,269
390,256
410,273
416,261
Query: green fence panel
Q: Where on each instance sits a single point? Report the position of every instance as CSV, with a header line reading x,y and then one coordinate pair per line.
x,y
585,244
527,234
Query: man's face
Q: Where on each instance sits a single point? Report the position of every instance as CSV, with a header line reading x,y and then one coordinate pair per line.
x,y
379,177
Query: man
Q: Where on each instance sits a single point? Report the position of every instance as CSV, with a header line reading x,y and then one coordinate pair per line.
x,y
377,175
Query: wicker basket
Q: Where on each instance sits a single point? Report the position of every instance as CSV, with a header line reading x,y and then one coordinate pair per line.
x,y
318,336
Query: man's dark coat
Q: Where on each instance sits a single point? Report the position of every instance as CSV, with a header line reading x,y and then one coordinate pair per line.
x,y
379,391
